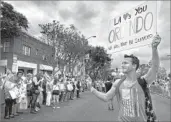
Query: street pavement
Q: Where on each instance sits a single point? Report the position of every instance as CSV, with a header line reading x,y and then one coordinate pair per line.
x,y
89,108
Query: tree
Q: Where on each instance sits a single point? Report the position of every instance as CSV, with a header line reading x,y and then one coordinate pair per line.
x,y
99,63
12,21
68,43
162,74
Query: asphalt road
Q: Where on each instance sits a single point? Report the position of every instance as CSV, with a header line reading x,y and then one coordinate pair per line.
x,y
89,108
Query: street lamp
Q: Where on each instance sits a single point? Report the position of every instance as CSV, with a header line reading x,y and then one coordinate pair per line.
x,y
91,37
86,58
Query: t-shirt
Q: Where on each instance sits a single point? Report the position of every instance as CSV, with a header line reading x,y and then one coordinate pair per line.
x,y
62,86
56,86
108,86
103,85
49,87
131,102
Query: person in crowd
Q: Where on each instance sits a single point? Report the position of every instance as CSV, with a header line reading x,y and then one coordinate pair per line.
x,y
132,89
23,94
62,89
17,79
35,92
78,88
73,91
69,88
66,93
56,93
167,88
44,92
29,82
7,86
40,95
49,86
108,86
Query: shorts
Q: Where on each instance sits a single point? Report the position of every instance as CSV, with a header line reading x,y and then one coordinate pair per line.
x,y
55,92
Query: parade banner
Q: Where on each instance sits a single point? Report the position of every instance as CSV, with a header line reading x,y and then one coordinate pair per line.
x,y
134,28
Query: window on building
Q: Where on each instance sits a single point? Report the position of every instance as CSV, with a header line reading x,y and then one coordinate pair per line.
x,y
44,57
6,46
26,50
36,51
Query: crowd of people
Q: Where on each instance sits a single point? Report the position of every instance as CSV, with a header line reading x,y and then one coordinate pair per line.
x,y
162,86
30,92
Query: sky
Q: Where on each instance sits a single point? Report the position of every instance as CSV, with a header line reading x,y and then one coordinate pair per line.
x,y
92,19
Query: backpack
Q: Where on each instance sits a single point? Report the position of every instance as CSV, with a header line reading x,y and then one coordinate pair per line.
x,y
151,116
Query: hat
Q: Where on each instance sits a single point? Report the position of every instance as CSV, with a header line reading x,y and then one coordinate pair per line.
x,y
29,74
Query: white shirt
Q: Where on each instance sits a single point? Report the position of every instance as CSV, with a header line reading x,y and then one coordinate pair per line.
x,y
62,87
56,87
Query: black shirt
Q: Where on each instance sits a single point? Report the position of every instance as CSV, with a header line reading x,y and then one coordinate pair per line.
x,y
108,86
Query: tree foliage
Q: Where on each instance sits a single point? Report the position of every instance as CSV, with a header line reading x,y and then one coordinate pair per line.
x,y
69,44
162,74
12,21
99,63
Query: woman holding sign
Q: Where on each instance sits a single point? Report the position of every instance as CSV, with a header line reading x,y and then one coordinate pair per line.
x,y
7,86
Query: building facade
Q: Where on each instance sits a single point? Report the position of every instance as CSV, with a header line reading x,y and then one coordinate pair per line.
x,y
27,54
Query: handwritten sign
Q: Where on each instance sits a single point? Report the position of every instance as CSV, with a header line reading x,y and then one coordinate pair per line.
x,y
133,29
14,93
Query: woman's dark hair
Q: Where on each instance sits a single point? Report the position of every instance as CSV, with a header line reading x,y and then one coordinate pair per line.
x,y
135,60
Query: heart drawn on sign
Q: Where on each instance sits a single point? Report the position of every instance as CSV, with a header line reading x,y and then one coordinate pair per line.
x,y
127,15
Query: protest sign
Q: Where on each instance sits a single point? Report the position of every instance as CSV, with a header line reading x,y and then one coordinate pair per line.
x,y
14,93
134,28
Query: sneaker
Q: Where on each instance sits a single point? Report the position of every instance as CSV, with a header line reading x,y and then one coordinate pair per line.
x,y
37,109
33,112
58,107
11,116
6,117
